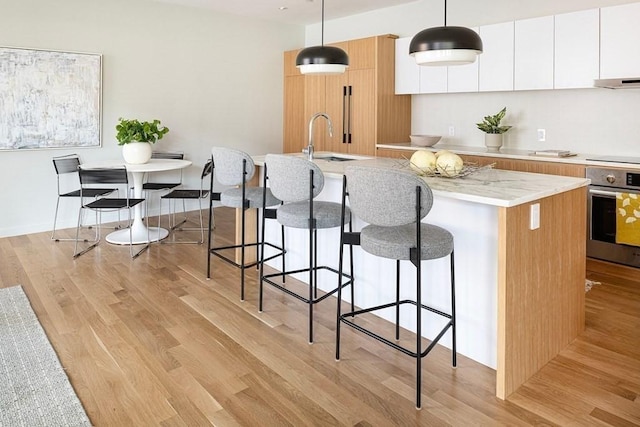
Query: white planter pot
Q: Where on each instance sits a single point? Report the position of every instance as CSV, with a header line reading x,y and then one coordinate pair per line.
x,y
136,153
493,141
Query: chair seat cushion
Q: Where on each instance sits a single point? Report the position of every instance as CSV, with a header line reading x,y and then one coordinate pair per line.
x,y
89,192
160,185
326,214
396,242
233,197
186,194
109,203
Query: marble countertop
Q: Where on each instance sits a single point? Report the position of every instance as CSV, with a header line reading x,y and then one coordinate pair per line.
x,y
512,153
487,186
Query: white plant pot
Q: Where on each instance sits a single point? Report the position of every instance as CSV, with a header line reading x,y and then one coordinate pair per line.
x,y
493,141
136,153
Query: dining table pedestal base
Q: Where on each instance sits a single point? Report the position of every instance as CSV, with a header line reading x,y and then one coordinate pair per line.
x,y
121,237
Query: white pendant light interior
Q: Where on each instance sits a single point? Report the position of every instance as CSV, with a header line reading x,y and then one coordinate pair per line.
x,y
322,68
445,46
446,57
322,59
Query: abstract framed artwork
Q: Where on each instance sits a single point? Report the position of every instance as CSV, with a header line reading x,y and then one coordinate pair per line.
x,y
49,99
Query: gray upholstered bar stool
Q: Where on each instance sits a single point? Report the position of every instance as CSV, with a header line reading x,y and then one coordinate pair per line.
x,y
235,168
393,202
297,181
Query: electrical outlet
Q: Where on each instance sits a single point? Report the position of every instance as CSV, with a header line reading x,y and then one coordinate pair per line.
x,y
534,216
542,135
452,130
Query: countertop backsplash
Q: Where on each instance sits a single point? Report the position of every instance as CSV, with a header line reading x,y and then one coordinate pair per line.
x,y
594,121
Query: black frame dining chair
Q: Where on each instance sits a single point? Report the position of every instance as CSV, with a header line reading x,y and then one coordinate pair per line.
x,y
66,166
100,176
184,195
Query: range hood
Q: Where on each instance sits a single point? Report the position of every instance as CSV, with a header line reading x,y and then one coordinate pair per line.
x,y
628,83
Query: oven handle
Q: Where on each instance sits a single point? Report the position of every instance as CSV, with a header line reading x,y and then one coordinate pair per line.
x,y
603,192
609,193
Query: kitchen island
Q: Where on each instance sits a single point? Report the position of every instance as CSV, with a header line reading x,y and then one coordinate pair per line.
x,y
520,275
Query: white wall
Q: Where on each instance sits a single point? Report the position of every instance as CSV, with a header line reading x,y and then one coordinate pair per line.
x,y
213,79
592,121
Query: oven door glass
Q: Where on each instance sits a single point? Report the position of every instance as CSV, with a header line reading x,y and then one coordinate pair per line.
x,y
603,217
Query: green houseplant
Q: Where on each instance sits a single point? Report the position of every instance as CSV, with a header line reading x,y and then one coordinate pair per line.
x,y
136,138
490,125
136,131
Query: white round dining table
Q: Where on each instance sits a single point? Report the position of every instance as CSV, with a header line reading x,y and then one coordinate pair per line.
x,y
137,171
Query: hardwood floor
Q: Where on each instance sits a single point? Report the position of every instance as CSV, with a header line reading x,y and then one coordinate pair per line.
x,y
152,342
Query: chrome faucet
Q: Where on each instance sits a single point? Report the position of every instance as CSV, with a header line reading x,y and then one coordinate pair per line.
x,y
309,149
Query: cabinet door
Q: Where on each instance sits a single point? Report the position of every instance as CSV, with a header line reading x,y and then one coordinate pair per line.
x,y
290,68
577,49
533,61
433,79
361,112
293,134
496,61
463,78
362,53
336,109
407,71
619,36
314,102
293,137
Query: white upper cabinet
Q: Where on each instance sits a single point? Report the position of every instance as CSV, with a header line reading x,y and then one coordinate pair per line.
x,y
433,79
577,49
533,59
563,51
463,78
412,78
496,62
619,39
407,71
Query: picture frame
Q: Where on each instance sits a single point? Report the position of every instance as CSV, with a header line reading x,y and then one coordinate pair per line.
x,y
49,99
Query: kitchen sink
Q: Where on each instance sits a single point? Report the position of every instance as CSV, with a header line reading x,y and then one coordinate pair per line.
x,y
334,159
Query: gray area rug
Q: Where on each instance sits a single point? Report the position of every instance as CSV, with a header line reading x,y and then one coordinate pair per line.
x,y
34,389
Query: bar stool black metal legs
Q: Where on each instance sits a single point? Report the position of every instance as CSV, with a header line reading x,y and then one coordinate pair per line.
x,y
393,203
297,182
236,168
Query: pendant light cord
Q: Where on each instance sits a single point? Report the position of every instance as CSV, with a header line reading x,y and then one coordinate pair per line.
x,y
445,12
322,27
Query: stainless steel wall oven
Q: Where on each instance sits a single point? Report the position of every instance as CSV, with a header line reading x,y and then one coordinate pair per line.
x,y
601,209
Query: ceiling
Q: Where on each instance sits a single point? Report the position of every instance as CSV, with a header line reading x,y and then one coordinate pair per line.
x,y
300,12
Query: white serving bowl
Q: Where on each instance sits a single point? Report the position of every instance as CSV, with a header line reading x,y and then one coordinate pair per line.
x,y
424,140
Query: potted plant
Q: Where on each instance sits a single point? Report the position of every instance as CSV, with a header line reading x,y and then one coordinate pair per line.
x,y
493,130
136,138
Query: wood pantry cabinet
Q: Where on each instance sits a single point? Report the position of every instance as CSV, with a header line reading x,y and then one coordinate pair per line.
x,y
361,102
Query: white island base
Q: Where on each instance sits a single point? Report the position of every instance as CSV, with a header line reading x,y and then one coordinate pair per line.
x,y
519,291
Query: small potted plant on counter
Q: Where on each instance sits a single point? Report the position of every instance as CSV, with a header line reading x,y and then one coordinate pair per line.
x,y
493,130
136,138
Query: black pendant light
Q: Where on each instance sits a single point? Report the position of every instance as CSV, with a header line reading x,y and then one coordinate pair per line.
x,y
445,45
322,59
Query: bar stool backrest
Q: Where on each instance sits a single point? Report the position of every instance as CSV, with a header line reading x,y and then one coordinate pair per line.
x,y
386,197
289,177
228,165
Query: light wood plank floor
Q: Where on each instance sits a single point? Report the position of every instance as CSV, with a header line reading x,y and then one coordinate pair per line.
x,y
152,342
